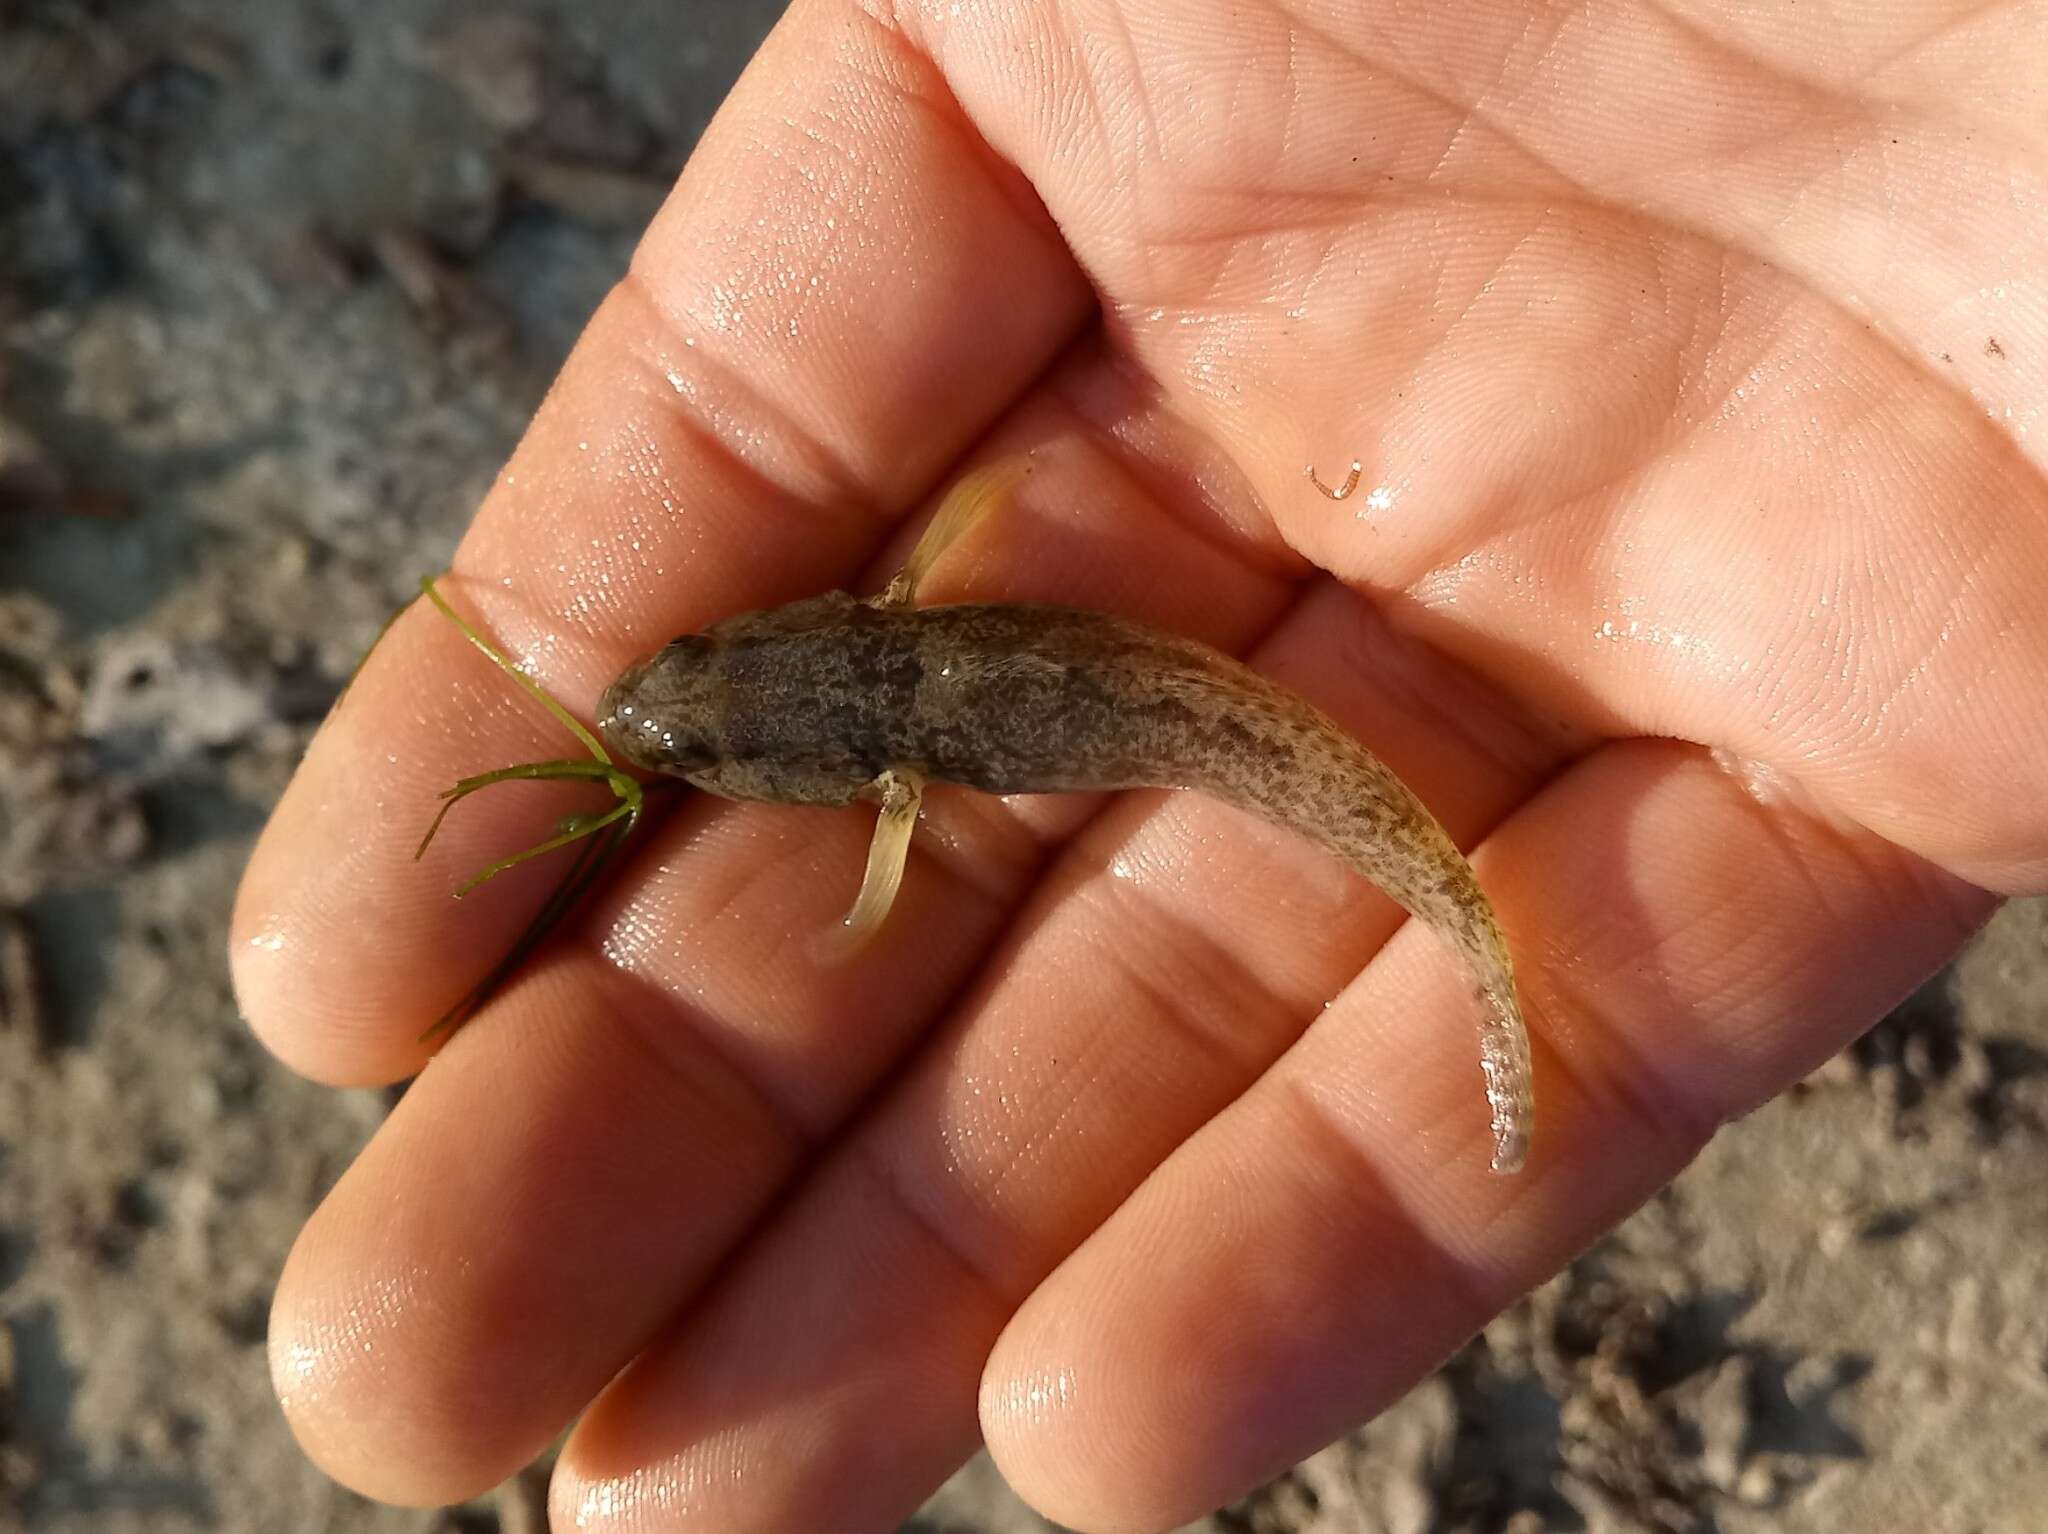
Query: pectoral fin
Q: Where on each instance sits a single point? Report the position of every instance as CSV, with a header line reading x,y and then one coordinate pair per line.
x,y
900,790
971,499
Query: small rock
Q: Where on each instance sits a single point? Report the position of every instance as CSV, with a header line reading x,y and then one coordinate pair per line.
x,y
1924,1378
204,1096
1838,1071
1811,1378
309,257
205,51
163,1434
28,479
1827,1486
1974,1069
17,1465
1925,1252
1757,1486
590,194
28,624
1407,1506
586,124
99,827
497,63
464,204
290,559
168,705
1724,1420
429,283
194,1203
70,72
1966,1330
21,992
1603,1514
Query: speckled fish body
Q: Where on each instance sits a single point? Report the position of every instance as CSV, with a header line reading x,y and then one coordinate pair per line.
x,y
813,702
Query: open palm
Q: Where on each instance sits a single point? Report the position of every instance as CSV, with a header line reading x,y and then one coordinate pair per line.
x,y
1691,357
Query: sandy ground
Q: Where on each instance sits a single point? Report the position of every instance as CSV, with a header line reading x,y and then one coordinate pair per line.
x,y
278,284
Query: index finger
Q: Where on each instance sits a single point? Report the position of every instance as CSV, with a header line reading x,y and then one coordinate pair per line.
x,y
845,288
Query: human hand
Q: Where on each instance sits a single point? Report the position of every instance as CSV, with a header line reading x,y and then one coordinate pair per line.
x,y
1692,577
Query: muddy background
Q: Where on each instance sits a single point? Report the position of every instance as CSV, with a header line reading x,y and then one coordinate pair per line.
x,y
279,282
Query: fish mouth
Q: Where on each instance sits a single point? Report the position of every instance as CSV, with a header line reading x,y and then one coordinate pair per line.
x,y
627,727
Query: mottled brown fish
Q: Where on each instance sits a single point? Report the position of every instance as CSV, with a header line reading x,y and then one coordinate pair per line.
x,y
836,699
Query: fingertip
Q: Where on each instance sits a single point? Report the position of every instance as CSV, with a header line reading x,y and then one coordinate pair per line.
x,y
354,1059
419,1351
1053,1429
1088,1416
335,1353
278,942
1015,1405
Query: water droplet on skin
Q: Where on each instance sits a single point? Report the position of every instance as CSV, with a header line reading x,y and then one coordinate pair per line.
x,y
665,1490
322,1349
1035,1398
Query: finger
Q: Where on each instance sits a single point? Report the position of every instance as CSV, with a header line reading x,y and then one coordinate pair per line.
x,y
1312,1252
740,412
572,1165
1175,949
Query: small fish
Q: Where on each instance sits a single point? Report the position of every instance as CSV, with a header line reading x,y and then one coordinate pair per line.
x,y
837,699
